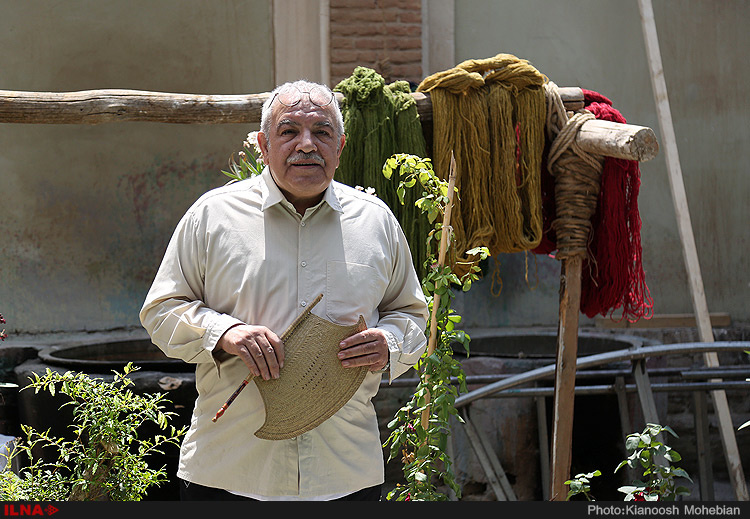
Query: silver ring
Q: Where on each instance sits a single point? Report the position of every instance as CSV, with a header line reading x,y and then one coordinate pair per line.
x,y
260,354
270,349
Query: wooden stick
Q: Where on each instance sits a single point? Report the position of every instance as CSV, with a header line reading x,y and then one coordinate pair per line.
x,y
445,231
690,255
600,137
565,374
112,105
283,338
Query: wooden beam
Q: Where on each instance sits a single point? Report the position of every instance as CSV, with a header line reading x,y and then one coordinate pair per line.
x,y
112,105
599,137
107,106
565,372
690,255
621,141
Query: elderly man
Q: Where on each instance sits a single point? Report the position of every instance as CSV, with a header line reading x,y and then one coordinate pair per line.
x,y
243,263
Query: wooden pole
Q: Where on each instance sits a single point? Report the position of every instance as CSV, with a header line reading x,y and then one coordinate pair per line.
x,y
106,106
625,141
689,251
577,184
118,105
444,234
565,375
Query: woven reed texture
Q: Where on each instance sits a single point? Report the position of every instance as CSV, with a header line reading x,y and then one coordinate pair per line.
x,y
312,385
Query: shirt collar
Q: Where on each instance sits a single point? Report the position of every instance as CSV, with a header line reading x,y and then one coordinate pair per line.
x,y
272,195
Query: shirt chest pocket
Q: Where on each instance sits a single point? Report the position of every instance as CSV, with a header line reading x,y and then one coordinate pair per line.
x,y
352,289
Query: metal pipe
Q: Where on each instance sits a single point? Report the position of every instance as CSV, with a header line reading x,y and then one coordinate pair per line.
x,y
600,359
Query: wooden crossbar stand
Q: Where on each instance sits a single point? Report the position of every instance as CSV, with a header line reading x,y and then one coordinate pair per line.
x,y
606,138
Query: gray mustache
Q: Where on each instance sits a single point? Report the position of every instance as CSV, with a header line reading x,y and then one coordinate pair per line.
x,y
306,157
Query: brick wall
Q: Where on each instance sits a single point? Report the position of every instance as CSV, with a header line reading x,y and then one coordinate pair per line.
x,y
384,35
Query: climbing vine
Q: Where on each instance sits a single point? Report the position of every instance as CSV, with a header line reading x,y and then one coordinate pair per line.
x,y
420,430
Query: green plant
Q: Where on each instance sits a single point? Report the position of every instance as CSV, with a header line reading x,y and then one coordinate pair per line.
x,y
420,429
250,163
655,458
106,459
580,484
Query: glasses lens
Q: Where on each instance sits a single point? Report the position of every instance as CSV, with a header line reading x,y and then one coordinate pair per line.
x,y
290,96
320,96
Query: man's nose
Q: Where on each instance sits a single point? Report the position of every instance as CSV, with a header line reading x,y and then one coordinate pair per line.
x,y
306,142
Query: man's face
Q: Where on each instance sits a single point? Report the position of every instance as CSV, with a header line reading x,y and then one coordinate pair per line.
x,y
302,150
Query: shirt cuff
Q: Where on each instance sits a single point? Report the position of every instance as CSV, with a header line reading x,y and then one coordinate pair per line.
x,y
399,361
214,331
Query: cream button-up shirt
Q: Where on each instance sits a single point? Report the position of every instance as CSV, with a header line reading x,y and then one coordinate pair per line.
x,y
242,254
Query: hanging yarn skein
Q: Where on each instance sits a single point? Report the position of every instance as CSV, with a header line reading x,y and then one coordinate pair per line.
x,y
382,120
612,275
491,113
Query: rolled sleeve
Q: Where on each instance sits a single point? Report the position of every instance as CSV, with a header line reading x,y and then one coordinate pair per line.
x,y
403,354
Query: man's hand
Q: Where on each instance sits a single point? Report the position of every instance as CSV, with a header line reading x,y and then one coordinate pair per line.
x,y
368,348
259,348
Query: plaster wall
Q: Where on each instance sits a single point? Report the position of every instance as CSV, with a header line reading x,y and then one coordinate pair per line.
x,y
87,210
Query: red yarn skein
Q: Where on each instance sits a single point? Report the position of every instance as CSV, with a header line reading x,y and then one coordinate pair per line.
x,y
612,276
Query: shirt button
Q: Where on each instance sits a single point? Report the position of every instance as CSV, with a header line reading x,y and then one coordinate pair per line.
x,y
303,303
303,224
304,263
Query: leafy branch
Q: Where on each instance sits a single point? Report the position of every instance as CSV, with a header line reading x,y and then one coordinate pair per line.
x,y
581,484
106,459
648,451
421,428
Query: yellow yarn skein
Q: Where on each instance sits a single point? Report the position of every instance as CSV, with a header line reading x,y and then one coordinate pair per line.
x,y
491,113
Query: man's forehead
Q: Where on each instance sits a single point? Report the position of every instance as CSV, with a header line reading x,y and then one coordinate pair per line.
x,y
303,114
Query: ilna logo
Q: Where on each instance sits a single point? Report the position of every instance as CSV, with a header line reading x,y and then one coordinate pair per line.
x,y
13,510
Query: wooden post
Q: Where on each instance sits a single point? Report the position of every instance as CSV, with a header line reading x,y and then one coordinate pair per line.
x,y
690,255
565,375
577,182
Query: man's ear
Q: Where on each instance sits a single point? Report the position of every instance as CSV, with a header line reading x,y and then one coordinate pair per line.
x,y
341,144
263,145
